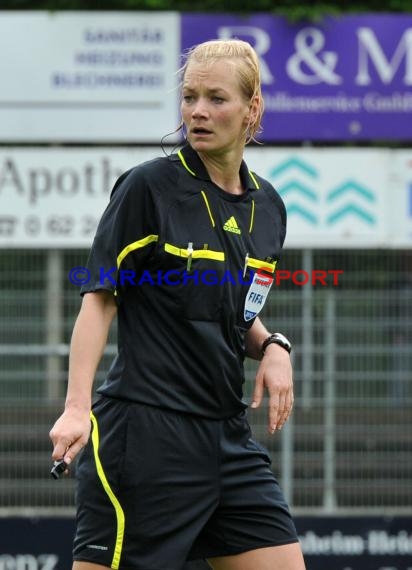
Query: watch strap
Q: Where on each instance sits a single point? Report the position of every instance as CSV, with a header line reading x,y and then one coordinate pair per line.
x,y
276,338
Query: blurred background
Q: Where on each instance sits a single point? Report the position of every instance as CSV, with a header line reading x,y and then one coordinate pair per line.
x,y
88,91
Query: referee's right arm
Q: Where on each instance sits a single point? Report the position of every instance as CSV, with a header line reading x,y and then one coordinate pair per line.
x,y
71,431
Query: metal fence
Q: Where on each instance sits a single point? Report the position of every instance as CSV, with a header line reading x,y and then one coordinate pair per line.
x,y
348,444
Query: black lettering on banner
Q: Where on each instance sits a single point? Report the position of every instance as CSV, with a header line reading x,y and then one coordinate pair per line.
x,y
59,225
32,227
39,183
109,174
88,225
9,175
7,225
89,172
67,182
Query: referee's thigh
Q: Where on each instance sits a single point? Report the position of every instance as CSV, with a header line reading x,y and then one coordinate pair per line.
x,y
285,557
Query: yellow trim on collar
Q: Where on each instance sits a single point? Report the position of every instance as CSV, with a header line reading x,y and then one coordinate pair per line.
x,y
208,207
252,217
182,158
254,180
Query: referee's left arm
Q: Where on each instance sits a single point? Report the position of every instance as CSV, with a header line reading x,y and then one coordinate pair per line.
x,y
274,374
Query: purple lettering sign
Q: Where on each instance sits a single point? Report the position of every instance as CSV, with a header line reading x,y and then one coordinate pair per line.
x,y
347,78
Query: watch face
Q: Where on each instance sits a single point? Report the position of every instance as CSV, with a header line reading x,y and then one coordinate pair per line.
x,y
277,338
283,340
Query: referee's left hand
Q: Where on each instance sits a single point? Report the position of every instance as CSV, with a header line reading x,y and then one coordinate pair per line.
x,y
275,374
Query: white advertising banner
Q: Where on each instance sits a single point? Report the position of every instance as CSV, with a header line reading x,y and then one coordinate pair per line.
x,y
88,76
400,199
335,198
53,198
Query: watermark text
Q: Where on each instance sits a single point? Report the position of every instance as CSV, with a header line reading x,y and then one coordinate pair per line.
x,y
127,277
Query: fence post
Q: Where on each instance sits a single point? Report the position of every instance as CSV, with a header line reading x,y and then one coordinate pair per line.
x,y
329,459
54,321
287,460
307,331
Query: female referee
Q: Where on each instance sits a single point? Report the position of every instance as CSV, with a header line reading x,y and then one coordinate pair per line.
x,y
184,256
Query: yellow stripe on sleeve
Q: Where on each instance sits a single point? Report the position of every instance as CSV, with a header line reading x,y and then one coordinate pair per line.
x,y
135,245
260,264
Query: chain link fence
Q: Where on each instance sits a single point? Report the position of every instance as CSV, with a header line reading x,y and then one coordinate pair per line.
x,y
348,444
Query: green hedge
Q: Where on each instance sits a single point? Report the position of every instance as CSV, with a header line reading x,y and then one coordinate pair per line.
x,y
292,9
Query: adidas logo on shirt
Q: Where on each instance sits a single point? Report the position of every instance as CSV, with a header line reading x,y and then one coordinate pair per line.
x,y
231,226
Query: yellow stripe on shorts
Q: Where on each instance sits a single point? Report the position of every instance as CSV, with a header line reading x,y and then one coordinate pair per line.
x,y
120,518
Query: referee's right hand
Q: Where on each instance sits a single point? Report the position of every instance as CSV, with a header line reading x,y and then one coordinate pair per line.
x,y
70,434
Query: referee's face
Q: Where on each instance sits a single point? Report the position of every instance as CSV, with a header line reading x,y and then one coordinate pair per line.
x,y
213,108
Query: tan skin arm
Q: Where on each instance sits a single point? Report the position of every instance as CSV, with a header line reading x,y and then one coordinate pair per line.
x,y
274,374
72,429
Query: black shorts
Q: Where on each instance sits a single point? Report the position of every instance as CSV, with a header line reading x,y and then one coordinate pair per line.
x,y
157,488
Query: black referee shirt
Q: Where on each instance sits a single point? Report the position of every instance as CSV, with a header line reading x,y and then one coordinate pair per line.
x,y
179,253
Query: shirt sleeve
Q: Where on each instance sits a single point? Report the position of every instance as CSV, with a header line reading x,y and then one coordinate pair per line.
x,y
278,212
126,234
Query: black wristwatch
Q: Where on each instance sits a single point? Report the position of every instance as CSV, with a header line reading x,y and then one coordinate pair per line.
x,y
276,338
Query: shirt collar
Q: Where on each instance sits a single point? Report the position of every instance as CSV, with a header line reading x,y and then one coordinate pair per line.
x,y
194,165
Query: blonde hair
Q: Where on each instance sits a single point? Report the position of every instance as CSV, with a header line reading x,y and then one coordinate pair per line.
x,y
247,69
